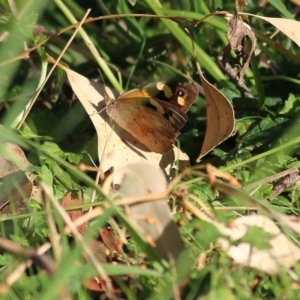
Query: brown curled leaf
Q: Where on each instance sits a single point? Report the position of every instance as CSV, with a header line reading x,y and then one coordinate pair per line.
x,y
242,41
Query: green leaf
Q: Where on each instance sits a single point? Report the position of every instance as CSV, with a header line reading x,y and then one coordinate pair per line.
x,y
257,237
19,240
288,105
46,175
63,177
26,24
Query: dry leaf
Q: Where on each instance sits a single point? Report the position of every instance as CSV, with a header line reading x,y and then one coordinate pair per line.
x,y
14,161
237,32
239,5
15,190
290,28
112,151
220,117
282,253
293,222
15,186
288,181
153,217
97,284
69,200
109,239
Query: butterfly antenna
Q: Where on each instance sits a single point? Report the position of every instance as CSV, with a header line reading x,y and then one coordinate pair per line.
x,y
102,78
106,99
105,95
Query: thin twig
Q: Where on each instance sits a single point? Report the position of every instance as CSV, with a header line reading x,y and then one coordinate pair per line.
x,y
271,178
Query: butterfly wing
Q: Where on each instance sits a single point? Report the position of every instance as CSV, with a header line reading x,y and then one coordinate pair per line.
x,y
153,114
153,122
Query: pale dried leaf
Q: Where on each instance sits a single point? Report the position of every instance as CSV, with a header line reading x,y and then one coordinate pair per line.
x,y
16,185
12,159
281,254
293,222
15,188
153,217
290,28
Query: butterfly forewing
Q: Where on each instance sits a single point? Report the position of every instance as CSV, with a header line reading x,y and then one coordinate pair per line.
x,y
180,94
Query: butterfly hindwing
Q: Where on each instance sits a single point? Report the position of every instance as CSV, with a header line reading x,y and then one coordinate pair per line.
x,y
145,124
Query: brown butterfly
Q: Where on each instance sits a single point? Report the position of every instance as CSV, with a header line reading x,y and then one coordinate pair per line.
x,y
152,115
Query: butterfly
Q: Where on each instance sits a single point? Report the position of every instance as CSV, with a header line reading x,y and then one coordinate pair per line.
x,y
152,115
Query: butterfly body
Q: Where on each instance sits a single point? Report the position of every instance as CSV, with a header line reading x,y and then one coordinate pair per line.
x,y
153,114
